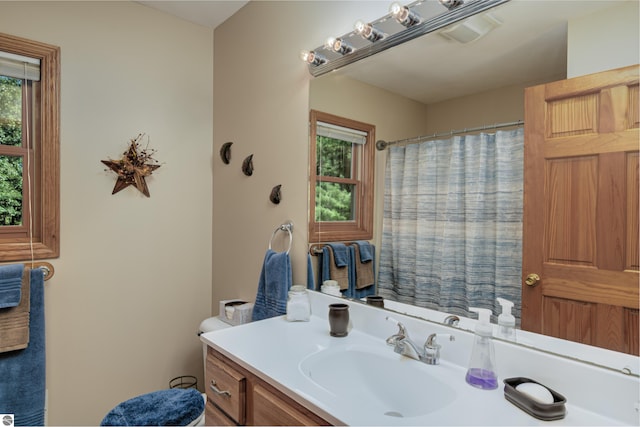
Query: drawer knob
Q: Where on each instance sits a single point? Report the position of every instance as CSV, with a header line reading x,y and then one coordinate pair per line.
x,y
217,391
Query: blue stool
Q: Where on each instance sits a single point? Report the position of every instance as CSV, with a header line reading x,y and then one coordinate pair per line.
x,y
173,407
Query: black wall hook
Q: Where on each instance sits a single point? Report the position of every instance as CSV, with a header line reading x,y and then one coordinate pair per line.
x,y
275,195
225,152
247,165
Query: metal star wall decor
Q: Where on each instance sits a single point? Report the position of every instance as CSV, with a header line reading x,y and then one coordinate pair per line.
x,y
135,165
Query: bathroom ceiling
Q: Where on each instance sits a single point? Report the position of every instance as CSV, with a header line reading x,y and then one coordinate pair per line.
x,y
529,47
206,13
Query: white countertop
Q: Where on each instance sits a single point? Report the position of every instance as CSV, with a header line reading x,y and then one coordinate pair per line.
x,y
274,348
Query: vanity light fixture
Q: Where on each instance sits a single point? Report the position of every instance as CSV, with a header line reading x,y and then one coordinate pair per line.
x,y
312,58
338,45
368,31
404,15
416,19
451,4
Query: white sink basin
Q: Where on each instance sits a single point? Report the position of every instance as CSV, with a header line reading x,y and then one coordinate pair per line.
x,y
392,384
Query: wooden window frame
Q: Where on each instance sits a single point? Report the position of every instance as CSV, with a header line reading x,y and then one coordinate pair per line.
x,y
362,226
41,239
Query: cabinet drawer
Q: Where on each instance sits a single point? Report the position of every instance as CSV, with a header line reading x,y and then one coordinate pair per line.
x,y
272,408
230,395
215,417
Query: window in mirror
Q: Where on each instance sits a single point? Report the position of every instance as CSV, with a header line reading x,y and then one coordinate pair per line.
x,y
342,162
29,149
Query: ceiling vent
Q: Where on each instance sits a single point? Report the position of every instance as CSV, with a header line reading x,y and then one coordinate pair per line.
x,y
471,29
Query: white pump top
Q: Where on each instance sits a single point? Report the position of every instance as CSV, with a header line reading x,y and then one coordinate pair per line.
x,y
483,327
506,305
506,318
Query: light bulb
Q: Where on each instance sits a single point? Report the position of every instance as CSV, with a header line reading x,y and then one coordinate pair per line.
x,y
329,42
368,31
340,46
395,9
451,4
312,58
404,15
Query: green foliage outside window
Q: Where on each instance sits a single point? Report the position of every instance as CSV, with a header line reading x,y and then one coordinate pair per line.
x,y
10,166
334,201
334,157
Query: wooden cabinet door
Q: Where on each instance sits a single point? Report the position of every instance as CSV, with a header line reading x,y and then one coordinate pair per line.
x,y
213,416
271,408
580,230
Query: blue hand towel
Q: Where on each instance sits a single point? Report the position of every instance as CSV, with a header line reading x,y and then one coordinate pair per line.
x,y
311,279
173,407
10,285
22,372
353,291
366,253
14,321
273,286
340,254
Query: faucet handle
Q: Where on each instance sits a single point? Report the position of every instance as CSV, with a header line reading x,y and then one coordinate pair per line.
x,y
402,332
432,340
432,348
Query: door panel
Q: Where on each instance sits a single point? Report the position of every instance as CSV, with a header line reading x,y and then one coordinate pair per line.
x,y
571,193
580,225
572,320
633,209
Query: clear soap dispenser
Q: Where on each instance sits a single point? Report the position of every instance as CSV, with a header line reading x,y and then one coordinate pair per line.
x,y
506,321
482,367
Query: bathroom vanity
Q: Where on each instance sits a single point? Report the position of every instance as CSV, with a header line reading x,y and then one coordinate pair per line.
x,y
275,372
235,396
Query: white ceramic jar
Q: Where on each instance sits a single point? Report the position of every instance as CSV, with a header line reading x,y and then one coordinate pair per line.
x,y
298,305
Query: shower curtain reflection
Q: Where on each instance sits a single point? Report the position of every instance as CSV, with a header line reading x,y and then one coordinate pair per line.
x,y
452,227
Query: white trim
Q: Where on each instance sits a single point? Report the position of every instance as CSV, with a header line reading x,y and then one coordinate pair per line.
x,y
19,67
342,133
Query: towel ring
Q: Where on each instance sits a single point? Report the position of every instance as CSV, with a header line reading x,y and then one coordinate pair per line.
x,y
288,227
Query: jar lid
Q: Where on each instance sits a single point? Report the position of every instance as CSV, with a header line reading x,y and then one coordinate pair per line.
x,y
298,289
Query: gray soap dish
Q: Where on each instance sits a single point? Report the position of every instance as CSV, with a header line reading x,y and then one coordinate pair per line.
x,y
533,407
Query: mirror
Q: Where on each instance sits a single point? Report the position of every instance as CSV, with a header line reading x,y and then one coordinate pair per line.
x,y
454,85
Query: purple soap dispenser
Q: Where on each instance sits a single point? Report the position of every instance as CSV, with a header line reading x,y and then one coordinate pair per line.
x,y
482,367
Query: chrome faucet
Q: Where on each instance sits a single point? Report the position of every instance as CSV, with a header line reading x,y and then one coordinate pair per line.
x,y
452,320
402,344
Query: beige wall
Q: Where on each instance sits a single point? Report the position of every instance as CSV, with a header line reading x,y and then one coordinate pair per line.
x,y
261,105
133,280
501,105
604,40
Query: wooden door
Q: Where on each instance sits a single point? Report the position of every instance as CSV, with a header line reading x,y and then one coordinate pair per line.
x,y
580,229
